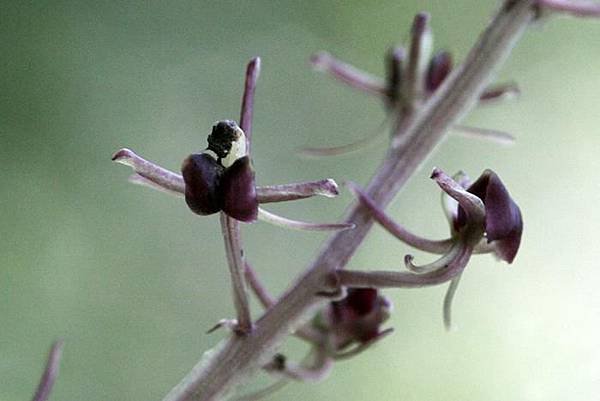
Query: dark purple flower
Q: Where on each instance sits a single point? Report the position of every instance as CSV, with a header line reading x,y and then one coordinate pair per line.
x,y
222,178
358,317
503,220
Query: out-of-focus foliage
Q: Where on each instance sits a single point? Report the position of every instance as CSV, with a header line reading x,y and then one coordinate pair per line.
x,y
131,279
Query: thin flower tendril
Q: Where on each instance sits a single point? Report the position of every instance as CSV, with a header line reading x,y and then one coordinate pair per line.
x,y
284,222
448,299
351,147
500,137
447,259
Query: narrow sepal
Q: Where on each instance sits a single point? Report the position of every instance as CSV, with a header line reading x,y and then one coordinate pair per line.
x,y
348,74
239,191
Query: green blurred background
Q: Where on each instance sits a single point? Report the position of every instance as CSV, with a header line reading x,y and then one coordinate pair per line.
x,y
132,280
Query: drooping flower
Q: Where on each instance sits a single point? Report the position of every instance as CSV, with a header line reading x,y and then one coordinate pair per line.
x,y
503,220
483,219
359,316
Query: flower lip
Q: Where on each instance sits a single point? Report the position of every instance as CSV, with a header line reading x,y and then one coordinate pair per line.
x,y
503,220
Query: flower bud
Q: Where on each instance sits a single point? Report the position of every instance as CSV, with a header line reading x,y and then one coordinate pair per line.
x,y
439,68
358,317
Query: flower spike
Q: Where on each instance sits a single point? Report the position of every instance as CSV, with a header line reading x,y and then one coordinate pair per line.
x,y
412,77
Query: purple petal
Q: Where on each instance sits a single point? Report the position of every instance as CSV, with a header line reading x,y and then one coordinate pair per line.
x,y
503,220
362,300
439,68
239,191
202,176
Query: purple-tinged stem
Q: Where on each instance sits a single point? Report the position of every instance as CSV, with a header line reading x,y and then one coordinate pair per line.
x,y
152,172
233,249
301,190
145,182
265,299
348,74
231,227
577,8
50,372
396,229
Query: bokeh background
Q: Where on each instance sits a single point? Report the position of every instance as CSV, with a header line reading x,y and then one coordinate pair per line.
x,y
131,279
